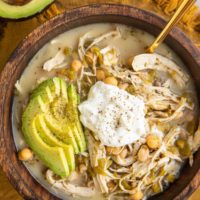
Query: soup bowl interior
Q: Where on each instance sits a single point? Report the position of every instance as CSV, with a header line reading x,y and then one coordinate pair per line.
x,y
26,185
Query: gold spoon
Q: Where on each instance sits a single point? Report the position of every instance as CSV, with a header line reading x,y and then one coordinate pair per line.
x,y
183,8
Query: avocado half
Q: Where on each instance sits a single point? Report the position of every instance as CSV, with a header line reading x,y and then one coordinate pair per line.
x,y
51,125
21,11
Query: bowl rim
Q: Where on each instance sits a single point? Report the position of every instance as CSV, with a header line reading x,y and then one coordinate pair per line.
x,y
11,166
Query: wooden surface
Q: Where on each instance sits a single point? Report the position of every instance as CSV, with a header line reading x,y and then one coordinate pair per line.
x,y
6,190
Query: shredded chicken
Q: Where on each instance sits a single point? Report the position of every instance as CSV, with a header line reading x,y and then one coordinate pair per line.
x,y
123,161
80,191
96,151
71,188
58,61
89,35
102,181
158,62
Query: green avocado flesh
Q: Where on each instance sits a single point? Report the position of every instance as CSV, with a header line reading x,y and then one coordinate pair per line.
x,y
21,11
51,125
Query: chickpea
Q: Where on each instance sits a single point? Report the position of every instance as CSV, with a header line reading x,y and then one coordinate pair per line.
x,y
100,75
153,141
124,153
137,196
82,168
143,153
25,154
76,65
113,150
123,86
111,80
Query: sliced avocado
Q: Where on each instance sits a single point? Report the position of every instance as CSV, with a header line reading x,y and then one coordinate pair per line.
x,y
73,101
35,107
53,157
56,88
73,125
53,107
63,88
62,133
41,90
49,138
20,11
58,109
62,111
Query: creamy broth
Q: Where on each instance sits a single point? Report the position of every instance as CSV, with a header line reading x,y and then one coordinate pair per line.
x,y
133,42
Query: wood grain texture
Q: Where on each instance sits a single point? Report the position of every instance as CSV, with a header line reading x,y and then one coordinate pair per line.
x,y
14,169
7,191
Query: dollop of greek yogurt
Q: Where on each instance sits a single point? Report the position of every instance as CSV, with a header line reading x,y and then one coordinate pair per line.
x,y
114,115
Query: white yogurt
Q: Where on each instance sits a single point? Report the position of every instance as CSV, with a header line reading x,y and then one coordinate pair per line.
x,y
116,116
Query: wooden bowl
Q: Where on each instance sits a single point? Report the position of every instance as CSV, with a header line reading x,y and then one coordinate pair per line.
x,y
25,184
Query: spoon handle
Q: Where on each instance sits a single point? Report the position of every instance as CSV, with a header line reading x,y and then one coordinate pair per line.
x,y
183,8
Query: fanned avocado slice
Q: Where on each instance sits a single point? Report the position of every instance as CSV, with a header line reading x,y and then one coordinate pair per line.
x,y
63,88
20,11
73,101
50,85
63,112
49,138
53,157
53,110
64,134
